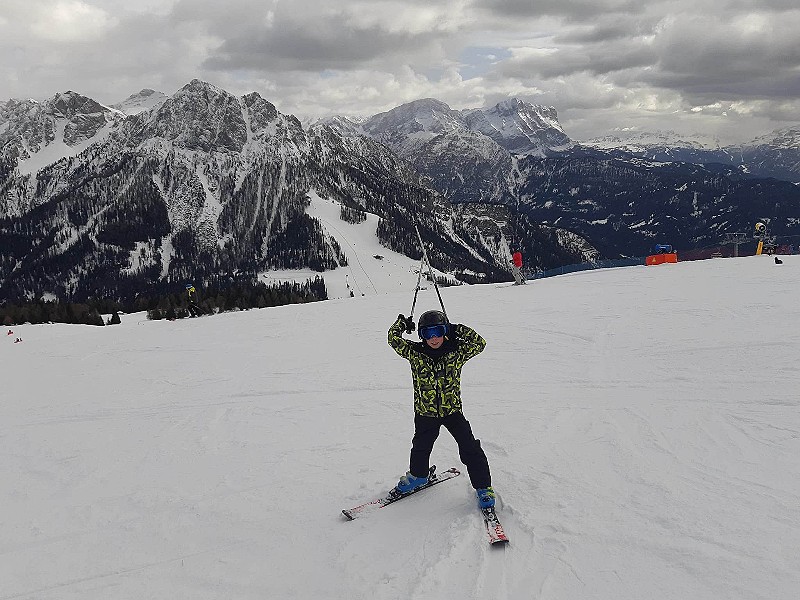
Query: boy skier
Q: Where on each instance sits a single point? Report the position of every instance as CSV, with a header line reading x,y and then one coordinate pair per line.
x,y
436,363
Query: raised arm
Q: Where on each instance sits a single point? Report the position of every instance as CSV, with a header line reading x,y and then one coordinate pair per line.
x,y
470,343
396,341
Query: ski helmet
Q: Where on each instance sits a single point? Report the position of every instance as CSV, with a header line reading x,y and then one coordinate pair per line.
x,y
431,319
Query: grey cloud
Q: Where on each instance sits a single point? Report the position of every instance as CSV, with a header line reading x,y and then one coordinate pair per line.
x,y
608,29
304,36
760,6
600,59
700,58
574,10
292,46
135,51
355,55
696,55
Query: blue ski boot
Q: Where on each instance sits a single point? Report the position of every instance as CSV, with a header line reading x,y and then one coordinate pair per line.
x,y
485,497
409,483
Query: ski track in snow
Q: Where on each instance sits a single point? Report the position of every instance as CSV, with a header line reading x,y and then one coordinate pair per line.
x,y
641,424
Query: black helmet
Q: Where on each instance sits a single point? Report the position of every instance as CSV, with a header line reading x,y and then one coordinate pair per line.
x,y
431,319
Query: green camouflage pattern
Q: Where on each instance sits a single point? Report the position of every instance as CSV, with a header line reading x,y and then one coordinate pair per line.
x,y
437,382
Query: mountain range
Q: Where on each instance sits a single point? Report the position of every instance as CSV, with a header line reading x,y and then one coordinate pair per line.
x,y
204,184
200,185
623,193
776,154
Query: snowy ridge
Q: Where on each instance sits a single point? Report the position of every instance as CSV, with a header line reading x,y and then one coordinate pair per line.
x,y
514,125
787,138
635,455
776,154
36,134
638,141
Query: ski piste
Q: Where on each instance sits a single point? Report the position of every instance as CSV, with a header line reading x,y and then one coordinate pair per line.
x,y
493,527
393,496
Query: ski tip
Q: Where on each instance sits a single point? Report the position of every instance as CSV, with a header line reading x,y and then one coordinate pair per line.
x,y
499,543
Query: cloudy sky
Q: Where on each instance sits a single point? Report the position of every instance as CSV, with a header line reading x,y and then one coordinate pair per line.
x,y
728,68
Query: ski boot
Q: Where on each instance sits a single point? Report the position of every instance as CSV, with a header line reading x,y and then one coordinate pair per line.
x,y
485,497
409,483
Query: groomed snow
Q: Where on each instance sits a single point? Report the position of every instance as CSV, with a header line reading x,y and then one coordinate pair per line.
x,y
642,425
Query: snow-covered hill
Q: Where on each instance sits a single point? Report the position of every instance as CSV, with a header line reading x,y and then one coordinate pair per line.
x,y
642,426
371,269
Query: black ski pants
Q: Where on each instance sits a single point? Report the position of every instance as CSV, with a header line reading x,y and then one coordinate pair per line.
x,y
426,430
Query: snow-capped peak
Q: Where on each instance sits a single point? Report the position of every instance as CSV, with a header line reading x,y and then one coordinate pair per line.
x,y
426,115
518,126
513,124
141,101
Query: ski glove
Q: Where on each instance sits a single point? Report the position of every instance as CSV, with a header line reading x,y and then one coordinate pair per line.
x,y
408,322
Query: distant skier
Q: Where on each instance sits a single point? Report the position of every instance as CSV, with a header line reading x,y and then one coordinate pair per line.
x,y
436,364
516,266
194,310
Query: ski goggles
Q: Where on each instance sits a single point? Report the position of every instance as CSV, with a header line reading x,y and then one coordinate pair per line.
x,y
432,331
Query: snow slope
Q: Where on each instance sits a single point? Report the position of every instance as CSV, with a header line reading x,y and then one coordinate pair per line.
x,y
642,425
371,269
58,149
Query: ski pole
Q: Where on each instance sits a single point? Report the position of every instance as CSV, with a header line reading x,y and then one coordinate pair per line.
x,y
430,269
416,291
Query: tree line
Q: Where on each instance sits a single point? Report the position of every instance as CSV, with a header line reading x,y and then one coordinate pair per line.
x,y
215,298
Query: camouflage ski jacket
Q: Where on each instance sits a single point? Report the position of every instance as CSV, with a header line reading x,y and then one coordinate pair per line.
x,y
437,374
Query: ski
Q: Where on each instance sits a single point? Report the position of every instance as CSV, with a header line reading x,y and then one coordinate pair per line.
x,y
393,496
493,527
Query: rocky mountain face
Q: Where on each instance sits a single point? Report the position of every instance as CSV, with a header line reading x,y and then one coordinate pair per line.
x,y
514,125
27,127
520,127
205,184
468,155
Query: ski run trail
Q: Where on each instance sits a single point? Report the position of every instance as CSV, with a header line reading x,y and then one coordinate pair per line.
x,y
642,425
